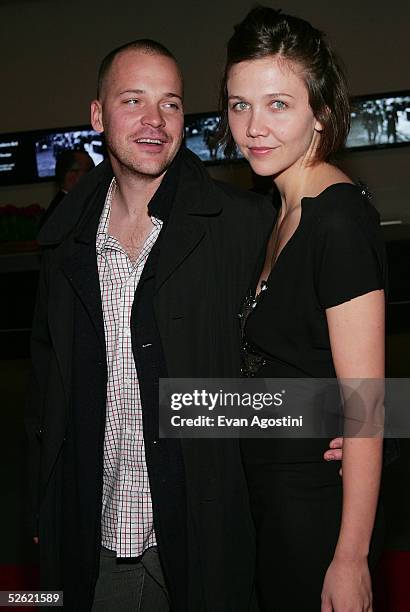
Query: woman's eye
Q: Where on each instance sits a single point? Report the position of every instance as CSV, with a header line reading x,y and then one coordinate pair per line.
x,y
279,105
239,106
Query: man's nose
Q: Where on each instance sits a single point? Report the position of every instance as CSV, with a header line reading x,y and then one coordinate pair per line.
x,y
153,116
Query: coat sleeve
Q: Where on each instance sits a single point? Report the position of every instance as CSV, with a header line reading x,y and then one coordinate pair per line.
x,y
40,348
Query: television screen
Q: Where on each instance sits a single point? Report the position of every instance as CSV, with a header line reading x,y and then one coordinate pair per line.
x,y
48,146
379,120
30,157
200,137
17,162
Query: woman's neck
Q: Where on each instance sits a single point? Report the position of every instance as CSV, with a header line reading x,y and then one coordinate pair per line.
x,y
302,180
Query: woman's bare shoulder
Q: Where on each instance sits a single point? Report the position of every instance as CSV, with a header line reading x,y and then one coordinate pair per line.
x,y
328,175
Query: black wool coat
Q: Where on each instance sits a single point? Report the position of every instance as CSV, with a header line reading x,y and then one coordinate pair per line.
x,y
209,250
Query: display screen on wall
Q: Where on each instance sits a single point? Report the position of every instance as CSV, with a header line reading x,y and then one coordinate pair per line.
x,y
200,137
377,121
30,157
48,146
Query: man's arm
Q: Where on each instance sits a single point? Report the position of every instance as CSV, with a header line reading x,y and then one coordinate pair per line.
x,y
40,347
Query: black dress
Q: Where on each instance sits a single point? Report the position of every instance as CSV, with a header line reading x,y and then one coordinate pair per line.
x,y
335,254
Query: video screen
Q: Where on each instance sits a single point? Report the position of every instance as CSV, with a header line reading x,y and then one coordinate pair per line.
x,y
200,137
48,147
379,121
17,163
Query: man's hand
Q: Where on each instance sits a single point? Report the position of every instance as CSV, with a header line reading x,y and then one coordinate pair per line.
x,y
35,539
336,451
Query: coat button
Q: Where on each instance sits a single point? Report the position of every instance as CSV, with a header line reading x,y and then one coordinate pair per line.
x,y
39,434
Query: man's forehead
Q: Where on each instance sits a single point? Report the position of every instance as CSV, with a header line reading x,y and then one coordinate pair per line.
x,y
133,68
140,59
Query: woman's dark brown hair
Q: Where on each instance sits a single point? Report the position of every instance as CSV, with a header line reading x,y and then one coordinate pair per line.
x,y
266,32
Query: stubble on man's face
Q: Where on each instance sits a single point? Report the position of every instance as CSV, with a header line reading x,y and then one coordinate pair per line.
x,y
142,114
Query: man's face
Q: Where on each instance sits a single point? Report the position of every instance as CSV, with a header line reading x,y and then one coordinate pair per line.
x,y
140,111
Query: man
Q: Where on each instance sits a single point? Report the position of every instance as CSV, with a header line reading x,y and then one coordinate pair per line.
x,y
145,267
71,166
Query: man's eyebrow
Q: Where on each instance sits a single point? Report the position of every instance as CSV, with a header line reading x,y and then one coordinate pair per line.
x,y
169,94
135,91
173,95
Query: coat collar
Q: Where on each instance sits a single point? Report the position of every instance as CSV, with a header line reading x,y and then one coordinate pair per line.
x,y
76,214
76,223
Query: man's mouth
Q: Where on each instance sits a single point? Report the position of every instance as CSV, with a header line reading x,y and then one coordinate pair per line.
x,y
153,141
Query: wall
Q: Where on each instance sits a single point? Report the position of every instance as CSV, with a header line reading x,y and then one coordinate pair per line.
x,y
51,49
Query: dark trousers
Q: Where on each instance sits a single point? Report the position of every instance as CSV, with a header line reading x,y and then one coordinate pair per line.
x,y
130,585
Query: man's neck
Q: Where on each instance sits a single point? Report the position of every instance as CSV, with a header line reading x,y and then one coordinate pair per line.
x,y
133,193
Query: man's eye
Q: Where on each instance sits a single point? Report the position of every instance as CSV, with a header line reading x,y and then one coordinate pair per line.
x,y
239,106
279,105
132,101
172,105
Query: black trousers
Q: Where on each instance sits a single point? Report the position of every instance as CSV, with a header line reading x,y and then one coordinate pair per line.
x,y
130,586
297,513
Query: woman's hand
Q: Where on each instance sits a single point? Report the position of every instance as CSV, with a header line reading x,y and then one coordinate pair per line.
x,y
347,587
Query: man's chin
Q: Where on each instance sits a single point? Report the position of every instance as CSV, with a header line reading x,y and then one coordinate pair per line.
x,y
145,168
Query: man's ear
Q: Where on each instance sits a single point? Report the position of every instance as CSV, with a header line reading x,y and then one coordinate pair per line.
x,y
96,116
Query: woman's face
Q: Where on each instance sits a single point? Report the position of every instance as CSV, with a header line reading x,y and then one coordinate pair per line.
x,y
269,114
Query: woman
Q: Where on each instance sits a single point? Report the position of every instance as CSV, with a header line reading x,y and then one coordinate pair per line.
x,y
318,312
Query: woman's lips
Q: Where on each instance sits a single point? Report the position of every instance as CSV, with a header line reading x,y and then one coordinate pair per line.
x,y
261,151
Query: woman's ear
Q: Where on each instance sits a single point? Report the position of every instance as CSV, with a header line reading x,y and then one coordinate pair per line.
x,y
318,127
319,122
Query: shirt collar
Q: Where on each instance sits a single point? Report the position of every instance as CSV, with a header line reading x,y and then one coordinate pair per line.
x,y
159,206
102,231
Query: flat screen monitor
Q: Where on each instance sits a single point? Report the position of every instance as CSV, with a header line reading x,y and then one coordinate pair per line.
x,y
200,137
379,121
30,157
48,146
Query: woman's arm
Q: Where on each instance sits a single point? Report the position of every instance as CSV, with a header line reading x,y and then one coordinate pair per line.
x,y
356,330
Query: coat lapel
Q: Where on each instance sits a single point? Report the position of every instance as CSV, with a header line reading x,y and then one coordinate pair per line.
x,y
186,227
82,272
179,240
79,263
